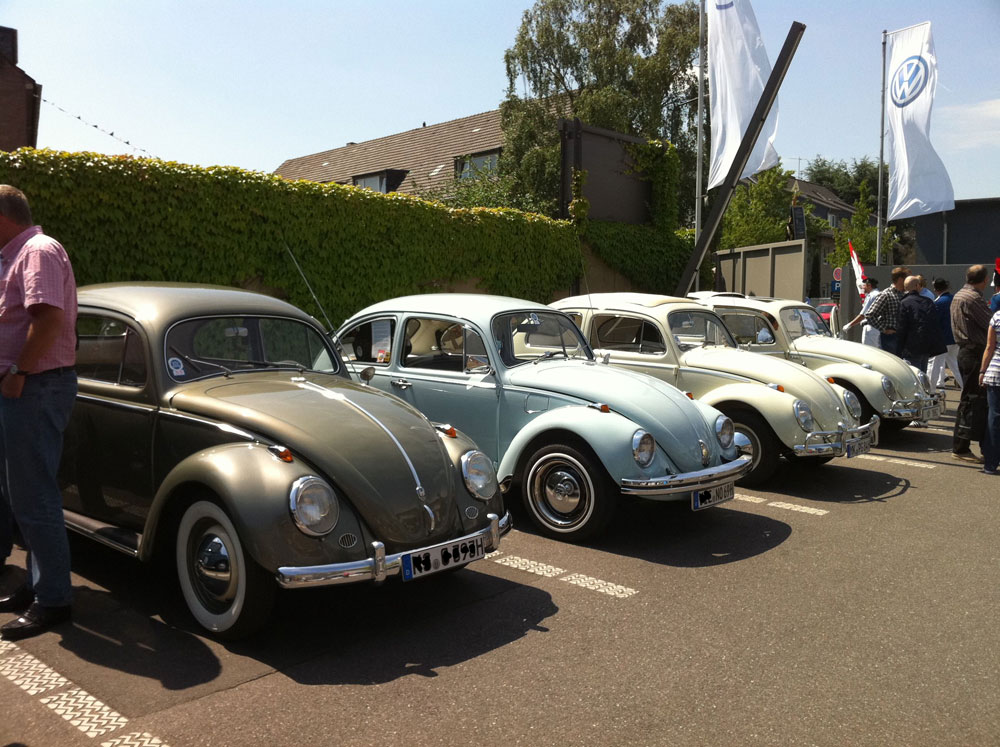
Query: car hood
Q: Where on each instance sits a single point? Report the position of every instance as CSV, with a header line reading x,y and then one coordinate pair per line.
x,y
363,440
797,380
885,363
675,421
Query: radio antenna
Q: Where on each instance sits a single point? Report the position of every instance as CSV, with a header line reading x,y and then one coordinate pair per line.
x,y
306,281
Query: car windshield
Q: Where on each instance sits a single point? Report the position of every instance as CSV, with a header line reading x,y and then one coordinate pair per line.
x,y
802,321
695,329
224,345
525,336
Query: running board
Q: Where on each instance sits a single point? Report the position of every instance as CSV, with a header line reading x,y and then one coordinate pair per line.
x,y
123,540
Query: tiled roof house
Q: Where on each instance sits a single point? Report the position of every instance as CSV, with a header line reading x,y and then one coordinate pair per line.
x,y
428,157
20,97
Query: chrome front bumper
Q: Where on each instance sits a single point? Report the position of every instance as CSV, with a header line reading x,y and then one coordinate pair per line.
x,y
685,482
834,443
380,566
918,408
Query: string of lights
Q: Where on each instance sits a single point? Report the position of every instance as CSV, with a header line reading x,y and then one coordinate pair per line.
x,y
109,133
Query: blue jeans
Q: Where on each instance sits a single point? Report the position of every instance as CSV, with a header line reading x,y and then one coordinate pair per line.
x,y
991,439
31,441
888,342
920,361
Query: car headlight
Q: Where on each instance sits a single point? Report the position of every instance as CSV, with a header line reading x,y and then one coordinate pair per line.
x,y
314,506
888,387
643,448
724,431
853,403
479,475
804,415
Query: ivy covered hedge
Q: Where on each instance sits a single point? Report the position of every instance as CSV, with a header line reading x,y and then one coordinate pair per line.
x,y
123,218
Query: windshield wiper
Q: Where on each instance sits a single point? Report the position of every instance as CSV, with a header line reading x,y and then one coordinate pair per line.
x,y
550,354
280,364
197,363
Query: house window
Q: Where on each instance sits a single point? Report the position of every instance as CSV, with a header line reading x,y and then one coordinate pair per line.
x,y
476,164
374,182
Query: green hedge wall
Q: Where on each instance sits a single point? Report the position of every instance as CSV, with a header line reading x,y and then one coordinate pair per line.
x,y
124,218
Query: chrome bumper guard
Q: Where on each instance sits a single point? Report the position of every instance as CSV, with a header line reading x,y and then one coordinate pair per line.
x,y
835,443
685,482
915,409
380,566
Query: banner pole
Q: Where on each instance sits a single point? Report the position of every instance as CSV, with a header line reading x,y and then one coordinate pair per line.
x,y
881,164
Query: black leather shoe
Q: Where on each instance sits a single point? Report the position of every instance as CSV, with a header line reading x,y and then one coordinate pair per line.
x,y
36,619
17,601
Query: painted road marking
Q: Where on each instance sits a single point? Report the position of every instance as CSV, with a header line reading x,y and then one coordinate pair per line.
x,y
77,706
551,571
782,504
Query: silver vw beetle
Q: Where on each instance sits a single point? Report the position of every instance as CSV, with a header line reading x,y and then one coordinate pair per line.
x,y
886,385
572,433
783,409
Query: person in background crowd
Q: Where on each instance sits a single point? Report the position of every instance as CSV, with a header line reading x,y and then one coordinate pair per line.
x,y
869,335
38,388
970,319
995,301
918,335
924,290
989,377
884,311
942,305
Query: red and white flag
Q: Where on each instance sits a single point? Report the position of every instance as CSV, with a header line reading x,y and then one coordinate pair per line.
x,y
859,273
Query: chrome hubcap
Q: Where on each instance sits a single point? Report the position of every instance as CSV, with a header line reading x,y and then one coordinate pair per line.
x,y
213,574
753,448
562,491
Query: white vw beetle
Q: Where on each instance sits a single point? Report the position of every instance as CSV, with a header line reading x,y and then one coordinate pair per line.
x,y
885,384
782,408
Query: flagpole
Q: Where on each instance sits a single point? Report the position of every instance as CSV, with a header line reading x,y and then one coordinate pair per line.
x,y
701,124
881,164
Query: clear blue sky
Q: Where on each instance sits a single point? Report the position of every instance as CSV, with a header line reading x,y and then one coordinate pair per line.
x,y
253,82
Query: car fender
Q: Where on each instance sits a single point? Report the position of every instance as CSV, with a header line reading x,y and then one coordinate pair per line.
x,y
261,513
608,434
774,406
868,381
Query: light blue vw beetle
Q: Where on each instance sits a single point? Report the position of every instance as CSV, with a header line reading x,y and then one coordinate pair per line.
x,y
570,432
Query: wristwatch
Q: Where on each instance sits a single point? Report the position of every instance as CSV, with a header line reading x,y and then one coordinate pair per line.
x,y
15,371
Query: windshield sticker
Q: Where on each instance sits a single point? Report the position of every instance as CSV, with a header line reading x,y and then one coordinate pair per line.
x,y
383,356
176,366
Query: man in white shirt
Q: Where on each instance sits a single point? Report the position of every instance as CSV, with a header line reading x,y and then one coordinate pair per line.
x,y
869,334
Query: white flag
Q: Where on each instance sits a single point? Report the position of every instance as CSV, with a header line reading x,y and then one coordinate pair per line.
x,y
738,68
918,181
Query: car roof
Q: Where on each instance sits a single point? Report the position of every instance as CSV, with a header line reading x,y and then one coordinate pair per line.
x,y
749,302
476,307
626,301
160,304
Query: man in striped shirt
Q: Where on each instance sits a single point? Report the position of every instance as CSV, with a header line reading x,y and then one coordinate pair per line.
x,y
970,320
37,392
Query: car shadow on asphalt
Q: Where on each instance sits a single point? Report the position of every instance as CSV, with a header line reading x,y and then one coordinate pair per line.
x,y
672,534
358,634
836,483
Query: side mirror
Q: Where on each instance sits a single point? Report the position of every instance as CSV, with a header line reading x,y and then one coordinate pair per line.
x,y
367,374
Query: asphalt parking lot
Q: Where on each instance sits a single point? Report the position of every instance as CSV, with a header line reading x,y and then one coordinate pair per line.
x,y
849,604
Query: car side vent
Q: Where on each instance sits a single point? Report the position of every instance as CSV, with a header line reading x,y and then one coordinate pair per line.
x,y
472,512
347,540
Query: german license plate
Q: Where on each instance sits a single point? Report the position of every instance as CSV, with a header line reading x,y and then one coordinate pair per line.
x,y
705,498
860,446
931,412
440,557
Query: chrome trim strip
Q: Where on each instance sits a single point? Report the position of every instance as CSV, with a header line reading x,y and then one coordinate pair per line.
x,y
380,566
213,423
92,532
834,443
330,394
704,479
116,402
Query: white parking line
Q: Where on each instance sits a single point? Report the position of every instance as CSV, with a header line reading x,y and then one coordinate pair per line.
x,y
782,504
81,709
893,460
551,571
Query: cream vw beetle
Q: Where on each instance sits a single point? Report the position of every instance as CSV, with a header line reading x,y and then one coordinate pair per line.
x,y
783,409
885,384
572,433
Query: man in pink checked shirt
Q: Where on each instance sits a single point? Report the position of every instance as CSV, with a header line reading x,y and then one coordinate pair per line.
x,y
37,392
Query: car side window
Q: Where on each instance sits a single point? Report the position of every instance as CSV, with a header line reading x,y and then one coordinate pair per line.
x,y
748,329
626,334
110,351
444,345
370,342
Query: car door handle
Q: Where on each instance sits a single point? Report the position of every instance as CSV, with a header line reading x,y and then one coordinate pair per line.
x,y
401,383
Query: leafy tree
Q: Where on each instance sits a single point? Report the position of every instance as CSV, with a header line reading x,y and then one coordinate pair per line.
x,y
486,187
859,231
759,210
845,180
624,65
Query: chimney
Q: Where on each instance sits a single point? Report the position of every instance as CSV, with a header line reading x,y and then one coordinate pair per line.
x,y
8,44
